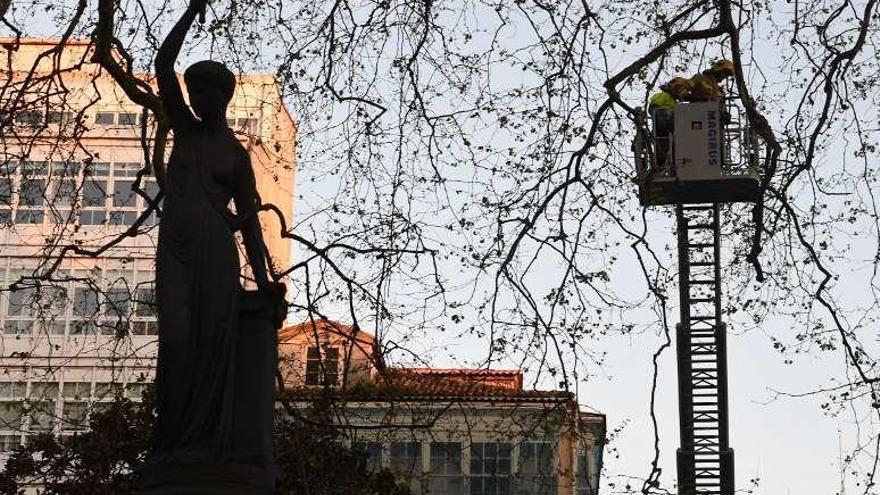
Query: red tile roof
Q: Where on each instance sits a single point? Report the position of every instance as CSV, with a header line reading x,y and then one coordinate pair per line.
x,y
512,379
420,383
433,384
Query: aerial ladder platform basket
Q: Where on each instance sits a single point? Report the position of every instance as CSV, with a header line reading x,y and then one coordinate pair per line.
x,y
711,156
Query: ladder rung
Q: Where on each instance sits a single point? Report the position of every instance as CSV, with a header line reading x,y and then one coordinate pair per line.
x,y
701,282
702,263
701,226
701,245
702,299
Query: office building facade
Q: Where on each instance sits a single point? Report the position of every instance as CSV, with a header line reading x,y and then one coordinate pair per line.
x,y
81,326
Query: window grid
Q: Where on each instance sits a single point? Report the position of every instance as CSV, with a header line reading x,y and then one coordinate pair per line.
x,y
373,453
324,372
246,125
490,472
536,473
117,119
406,458
36,119
38,192
583,483
9,442
121,302
446,470
50,408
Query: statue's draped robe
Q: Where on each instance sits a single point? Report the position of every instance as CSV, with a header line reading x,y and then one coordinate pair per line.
x,y
198,297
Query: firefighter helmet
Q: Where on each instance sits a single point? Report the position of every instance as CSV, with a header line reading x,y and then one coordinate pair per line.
x,y
679,87
722,67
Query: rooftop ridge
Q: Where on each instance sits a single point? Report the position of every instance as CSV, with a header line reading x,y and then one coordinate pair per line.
x,y
34,40
333,326
460,371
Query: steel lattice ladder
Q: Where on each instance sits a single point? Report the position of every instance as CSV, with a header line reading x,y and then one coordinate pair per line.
x,y
705,459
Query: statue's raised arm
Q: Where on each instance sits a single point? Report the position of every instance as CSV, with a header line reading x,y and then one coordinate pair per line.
x,y
169,88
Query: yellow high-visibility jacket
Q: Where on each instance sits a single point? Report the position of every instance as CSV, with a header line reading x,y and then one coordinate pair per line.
x,y
662,100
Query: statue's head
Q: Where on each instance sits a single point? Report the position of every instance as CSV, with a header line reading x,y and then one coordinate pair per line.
x,y
210,86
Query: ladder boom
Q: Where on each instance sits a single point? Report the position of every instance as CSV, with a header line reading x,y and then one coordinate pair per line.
x,y
705,459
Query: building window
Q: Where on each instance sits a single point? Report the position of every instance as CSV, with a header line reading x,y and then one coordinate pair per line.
x,y
11,406
322,372
490,468
249,125
128,118
108,391
77,391
85,302
124,209
12,390
94,201
536,472
31,118
406,462
5,200
41,406
60,118
583,478
446,475
406,458
32,192
31,196
134,391
73,415
9,443
373,454
124,201
21,301
42,414
64,199
151,189
52,302
20,306
145,310
85,308
105,118
11,413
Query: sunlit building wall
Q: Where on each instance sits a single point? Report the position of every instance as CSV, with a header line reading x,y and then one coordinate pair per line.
x,y
72,148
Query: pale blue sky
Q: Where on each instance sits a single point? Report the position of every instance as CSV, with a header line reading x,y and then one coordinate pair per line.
x,y
789,443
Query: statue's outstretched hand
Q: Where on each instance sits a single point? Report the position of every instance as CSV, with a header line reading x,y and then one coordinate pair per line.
x,y
276,291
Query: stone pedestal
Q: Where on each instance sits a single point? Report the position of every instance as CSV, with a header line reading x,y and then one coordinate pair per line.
x,y
251,469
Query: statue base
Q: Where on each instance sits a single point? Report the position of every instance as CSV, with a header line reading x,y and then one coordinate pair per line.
x,y
207,479
250,468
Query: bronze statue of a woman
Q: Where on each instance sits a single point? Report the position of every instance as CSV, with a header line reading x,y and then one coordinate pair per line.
x,y
198,291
